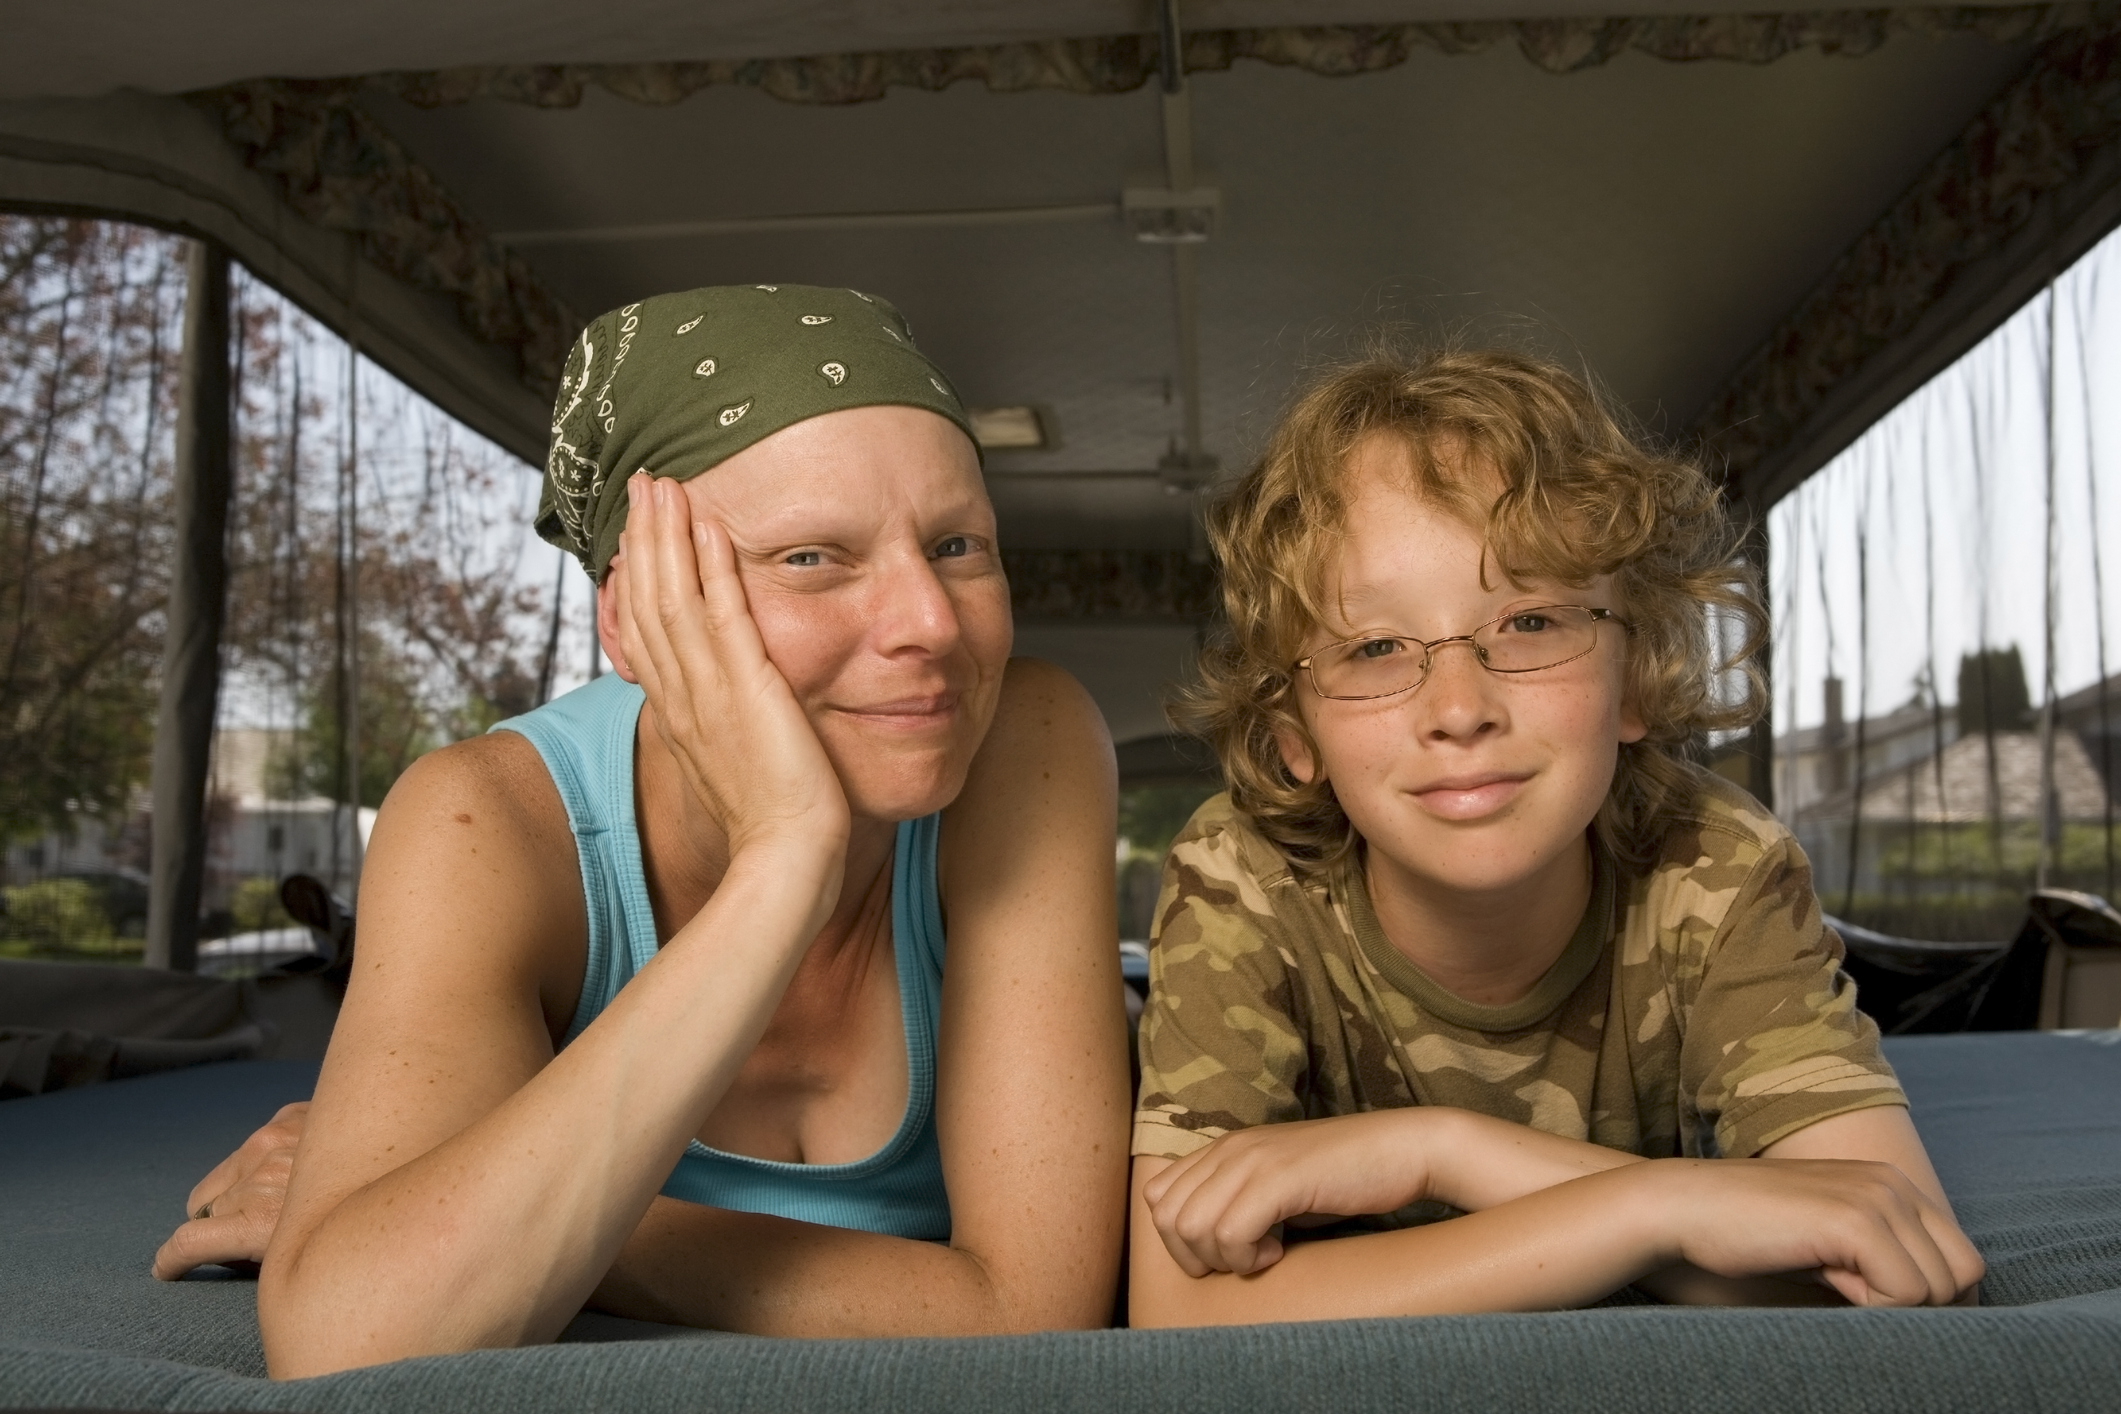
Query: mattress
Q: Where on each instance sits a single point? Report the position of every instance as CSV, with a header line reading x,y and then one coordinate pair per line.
x,y
2025,1129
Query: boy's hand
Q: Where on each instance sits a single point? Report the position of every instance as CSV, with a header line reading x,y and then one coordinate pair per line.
x,y
1218,1209
1869,1233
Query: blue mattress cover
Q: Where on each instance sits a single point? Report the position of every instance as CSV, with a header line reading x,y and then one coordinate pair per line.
x,y
2025,1130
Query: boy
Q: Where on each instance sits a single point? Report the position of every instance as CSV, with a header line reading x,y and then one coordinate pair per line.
x,y
1468,933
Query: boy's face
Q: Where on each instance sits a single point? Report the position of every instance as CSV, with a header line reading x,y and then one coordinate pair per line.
x,y
1474,782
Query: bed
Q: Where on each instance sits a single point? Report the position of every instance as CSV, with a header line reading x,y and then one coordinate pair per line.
x,y
2025,1128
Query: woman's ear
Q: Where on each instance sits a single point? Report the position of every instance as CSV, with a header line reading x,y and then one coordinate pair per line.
x,y
1296,754
608,609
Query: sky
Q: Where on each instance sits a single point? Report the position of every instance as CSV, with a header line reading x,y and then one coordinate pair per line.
x,y
491,512
1986,500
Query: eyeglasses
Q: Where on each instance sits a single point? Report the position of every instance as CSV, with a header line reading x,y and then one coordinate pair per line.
x,y
1521,641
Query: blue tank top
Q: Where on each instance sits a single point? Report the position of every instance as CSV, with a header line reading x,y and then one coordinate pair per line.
x,y
586,739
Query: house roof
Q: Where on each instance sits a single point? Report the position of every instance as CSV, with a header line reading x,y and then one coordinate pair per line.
x,y
1981,777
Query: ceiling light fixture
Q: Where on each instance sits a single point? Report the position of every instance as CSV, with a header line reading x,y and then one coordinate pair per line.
x,y
1013,429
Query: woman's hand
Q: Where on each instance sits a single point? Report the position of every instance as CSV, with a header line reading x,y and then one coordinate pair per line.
x,y
235,1208
1871,1235
739,735
1218,1209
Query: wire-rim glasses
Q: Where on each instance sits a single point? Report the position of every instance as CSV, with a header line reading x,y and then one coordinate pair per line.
x,y
1521,641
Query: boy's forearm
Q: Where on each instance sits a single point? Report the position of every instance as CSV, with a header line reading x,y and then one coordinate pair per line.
x,y
1566,1245
1476,1161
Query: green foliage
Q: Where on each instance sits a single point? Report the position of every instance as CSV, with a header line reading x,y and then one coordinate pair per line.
x,y
59,915
1974,916
1150,816
90,319
254,904
1967,881
1981,853
396,727
1992,692
88,316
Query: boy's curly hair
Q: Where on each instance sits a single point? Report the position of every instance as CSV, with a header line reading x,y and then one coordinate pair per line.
x,y
1580,498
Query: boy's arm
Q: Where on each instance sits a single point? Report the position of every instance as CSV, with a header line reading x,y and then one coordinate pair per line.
x,y
1567,1245
1883,1134
1218,1209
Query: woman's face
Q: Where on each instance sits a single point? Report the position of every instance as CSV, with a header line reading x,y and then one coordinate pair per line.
x,y
866,545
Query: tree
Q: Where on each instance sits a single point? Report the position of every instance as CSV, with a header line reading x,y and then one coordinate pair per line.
x,y
367,542
87,314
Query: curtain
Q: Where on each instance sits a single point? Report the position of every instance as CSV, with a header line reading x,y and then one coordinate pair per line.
x,y
1944,661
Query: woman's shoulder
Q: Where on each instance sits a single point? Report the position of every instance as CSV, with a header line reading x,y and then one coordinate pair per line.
x,y
472,863
491,793
1031,685
1042,781
1043,720
499,770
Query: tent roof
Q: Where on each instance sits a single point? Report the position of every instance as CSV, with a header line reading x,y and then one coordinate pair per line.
x,y
78,48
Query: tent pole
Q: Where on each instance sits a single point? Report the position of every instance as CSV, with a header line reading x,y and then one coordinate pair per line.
x,y
191,654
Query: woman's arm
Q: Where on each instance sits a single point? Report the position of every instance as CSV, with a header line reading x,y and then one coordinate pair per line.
x,y
1031,1092
230,1214
458,1185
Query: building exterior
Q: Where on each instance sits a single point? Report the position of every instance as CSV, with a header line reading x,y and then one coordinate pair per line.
x,y
1937,827
252,831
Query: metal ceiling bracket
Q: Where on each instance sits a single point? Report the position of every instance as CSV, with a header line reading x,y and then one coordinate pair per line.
x,y
1160,216
1179,217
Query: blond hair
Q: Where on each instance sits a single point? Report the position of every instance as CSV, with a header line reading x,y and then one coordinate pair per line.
x,y
1579,498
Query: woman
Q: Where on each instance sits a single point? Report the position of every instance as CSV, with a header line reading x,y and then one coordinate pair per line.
x,y
650,1010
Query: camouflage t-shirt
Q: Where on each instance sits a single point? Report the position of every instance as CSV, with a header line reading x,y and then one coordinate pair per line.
x,y
1699,1010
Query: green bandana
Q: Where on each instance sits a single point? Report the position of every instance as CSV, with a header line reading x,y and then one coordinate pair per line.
x,y
677,383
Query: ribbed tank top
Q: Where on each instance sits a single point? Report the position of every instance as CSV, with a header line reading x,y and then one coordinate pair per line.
x,y
586,739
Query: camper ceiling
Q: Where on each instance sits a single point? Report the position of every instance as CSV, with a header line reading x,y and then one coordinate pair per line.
x,y
1651,221
1648,219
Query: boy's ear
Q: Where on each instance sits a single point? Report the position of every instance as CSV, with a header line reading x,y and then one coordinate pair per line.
x,y
1632,727
608,623
1296,754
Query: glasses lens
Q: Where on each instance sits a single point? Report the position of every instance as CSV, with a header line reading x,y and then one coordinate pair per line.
x,y
1368,667
1537,638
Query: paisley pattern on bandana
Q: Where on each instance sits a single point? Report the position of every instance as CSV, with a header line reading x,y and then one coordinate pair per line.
x,y
1707,1014
781,354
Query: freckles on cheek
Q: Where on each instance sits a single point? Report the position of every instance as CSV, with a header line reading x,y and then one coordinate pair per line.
x,y
989,629
1353,749
804,635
